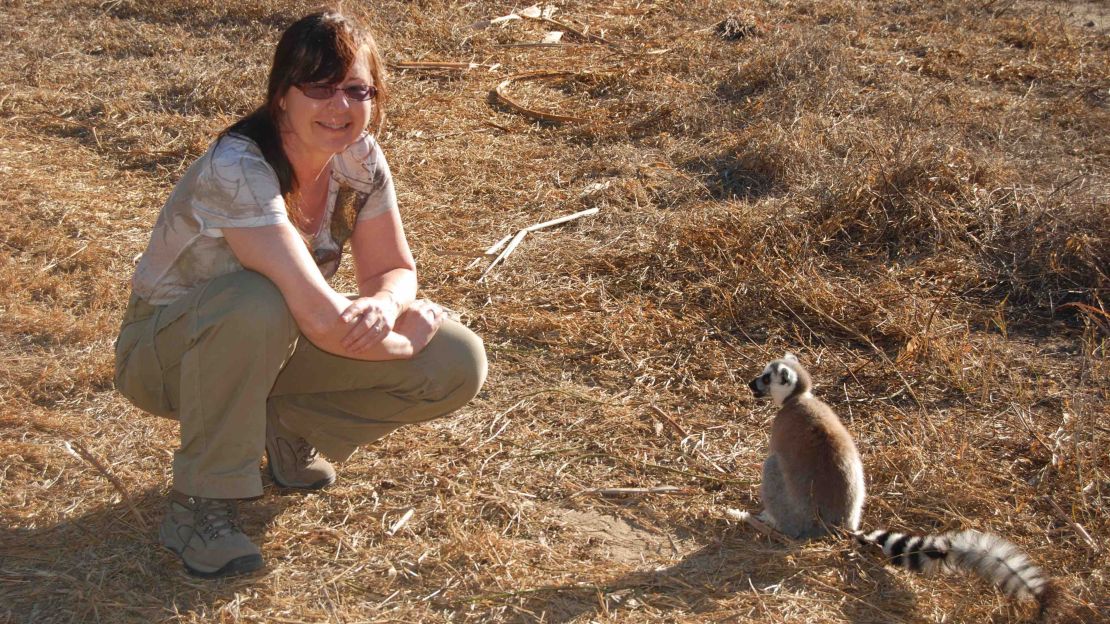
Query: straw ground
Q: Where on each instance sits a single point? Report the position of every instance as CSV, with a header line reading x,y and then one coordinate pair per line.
x,y
914,197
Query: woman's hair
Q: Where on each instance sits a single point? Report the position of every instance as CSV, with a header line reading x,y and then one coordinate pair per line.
x,y
320,47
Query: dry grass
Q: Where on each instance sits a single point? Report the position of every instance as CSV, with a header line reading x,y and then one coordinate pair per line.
x,y
916,199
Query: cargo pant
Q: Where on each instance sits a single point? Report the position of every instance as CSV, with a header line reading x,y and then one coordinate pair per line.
x,y
222,356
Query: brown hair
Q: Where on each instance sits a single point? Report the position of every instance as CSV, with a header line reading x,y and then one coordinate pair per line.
x,y
320,47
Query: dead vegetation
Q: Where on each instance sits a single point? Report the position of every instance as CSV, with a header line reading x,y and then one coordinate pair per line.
x,y
913,198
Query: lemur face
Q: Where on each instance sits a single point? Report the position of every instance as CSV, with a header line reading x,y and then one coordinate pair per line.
x,y
777,379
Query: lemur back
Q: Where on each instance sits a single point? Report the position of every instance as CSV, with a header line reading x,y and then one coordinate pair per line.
x,y
813,476
813,482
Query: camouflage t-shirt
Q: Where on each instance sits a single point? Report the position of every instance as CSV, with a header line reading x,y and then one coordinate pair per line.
x,y
232,186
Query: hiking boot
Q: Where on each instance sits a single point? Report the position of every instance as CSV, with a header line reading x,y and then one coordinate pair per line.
x,y
206,534
293,461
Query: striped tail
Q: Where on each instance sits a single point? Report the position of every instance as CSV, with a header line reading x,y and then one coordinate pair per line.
x,y
993,558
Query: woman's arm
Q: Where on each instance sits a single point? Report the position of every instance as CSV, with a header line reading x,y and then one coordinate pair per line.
x,y
386,274
383,261
384,267
278,252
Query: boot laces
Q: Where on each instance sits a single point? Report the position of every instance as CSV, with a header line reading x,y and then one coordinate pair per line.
x,y
306,451
216,517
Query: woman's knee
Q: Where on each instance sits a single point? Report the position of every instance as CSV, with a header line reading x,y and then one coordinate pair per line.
x,y
461,356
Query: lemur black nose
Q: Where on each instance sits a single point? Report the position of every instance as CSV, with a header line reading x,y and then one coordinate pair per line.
x,y
755,388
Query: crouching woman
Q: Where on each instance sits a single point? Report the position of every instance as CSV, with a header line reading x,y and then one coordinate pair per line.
x,y
232,327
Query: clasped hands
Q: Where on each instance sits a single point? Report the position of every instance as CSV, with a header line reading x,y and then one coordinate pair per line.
x,y
371,319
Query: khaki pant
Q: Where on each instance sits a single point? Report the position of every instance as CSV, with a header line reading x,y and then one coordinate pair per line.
x,y
222,356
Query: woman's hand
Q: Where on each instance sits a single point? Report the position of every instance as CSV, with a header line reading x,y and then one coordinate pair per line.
x,y
369,320
419,323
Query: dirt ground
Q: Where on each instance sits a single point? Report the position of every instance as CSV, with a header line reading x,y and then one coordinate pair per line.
x,y
912,197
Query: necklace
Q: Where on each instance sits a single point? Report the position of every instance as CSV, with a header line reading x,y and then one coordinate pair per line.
x,y
314,202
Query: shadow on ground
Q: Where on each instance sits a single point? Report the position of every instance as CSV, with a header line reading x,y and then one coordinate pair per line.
x,y
734,562
103,566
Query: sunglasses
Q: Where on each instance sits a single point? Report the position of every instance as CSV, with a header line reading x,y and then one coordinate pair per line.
x,y
318,91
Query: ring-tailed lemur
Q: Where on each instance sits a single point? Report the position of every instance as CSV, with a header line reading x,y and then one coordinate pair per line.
x,y
813,485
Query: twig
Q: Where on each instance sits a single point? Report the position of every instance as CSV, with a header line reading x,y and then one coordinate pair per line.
x,y
500,96
494,248
1091,311
1063,186
55,263
570,217
357,565
504,253
401,522
77,449
545,16
519,236
432,65
624,491
670,421
577,33
887,617
548,45
533,590
687,473
498,126
1075,526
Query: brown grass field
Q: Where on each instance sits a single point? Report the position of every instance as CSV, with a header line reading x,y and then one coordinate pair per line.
x,y
913,197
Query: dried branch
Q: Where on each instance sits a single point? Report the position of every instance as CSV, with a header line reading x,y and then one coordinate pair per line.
x,y
500,96
433,65
624,491
519,236
77,449
570,217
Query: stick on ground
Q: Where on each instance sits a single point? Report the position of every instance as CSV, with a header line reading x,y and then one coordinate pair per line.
x,y
504,253
76,448
624,491
516,239
570,217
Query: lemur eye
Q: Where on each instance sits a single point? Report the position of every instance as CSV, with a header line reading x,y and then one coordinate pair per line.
x,y
766,378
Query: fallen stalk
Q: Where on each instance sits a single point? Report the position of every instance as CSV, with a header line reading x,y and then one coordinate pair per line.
x,y
78,449
433,65
510,244
1078,528
625,491
532,590
667,419
499,94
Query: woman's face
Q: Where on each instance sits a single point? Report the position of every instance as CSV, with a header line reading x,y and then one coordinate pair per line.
x,y
318,129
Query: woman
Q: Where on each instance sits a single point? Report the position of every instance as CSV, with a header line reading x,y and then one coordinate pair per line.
x,y
232,327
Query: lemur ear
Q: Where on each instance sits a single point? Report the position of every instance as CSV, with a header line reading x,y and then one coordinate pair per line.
x,y
785,375
790,356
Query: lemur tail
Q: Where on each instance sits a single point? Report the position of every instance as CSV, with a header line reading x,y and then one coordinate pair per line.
x,y
993,558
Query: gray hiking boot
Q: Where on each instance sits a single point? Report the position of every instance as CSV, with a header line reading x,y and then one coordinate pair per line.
x,y
206,534
293,461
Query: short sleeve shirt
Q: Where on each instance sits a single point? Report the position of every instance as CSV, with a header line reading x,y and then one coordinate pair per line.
x,y
232,186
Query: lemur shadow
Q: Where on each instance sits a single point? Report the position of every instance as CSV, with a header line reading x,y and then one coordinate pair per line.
x,y
736,560
105,565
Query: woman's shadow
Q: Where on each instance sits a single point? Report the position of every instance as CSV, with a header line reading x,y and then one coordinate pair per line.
x,y
107,565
